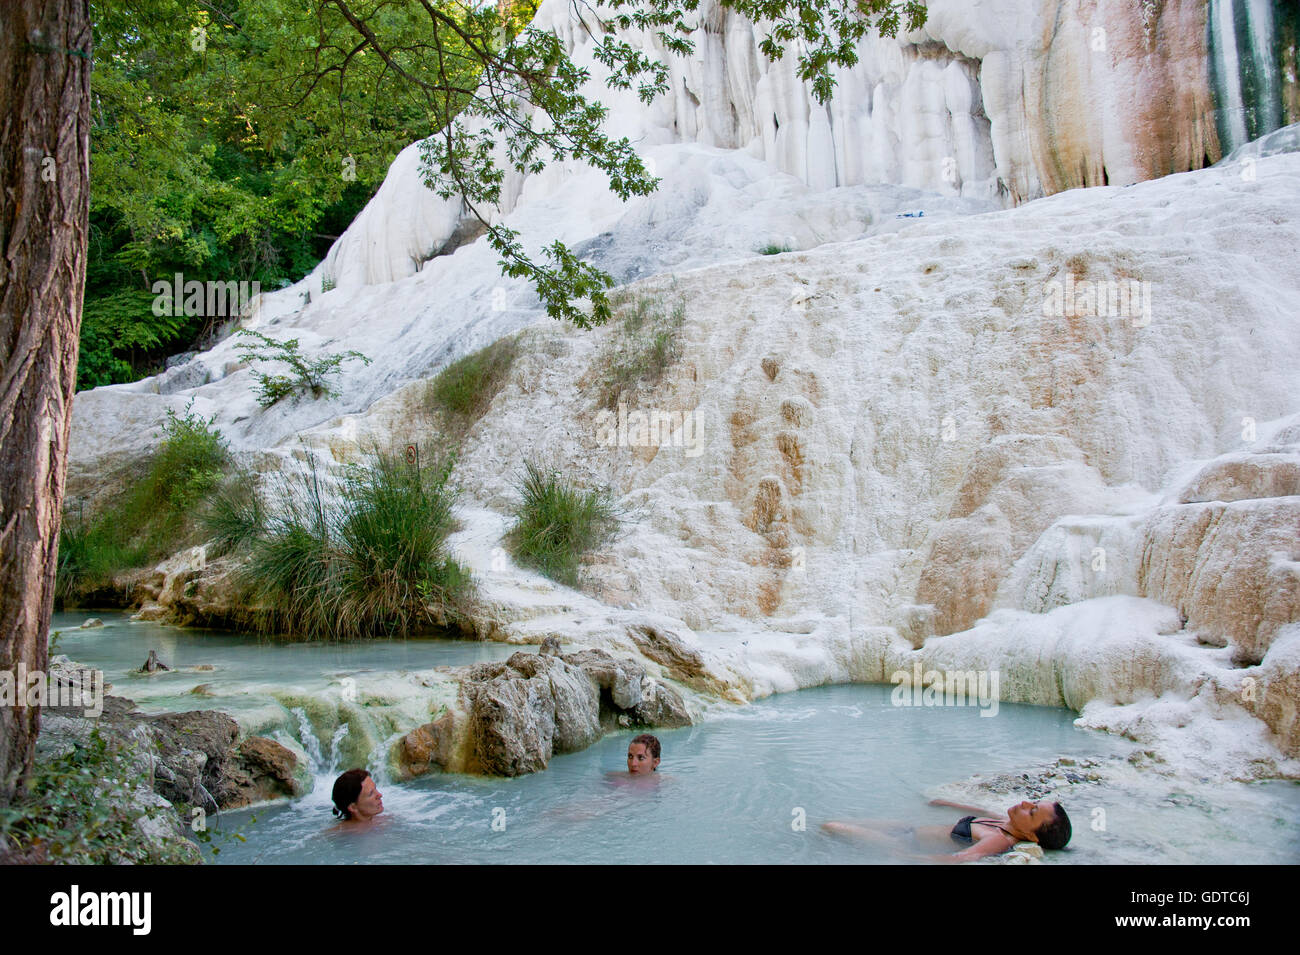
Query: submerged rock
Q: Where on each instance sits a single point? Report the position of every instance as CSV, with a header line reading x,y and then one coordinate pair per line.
x,y
153,664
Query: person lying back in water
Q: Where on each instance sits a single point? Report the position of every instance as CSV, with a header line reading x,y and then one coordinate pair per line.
x,y
990,833
356,797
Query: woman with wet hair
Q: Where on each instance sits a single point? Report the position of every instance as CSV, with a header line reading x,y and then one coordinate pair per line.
x,y
356,797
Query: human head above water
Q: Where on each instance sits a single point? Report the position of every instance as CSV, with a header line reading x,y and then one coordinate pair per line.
x,y
1046,820
1055,833
643,754
356,796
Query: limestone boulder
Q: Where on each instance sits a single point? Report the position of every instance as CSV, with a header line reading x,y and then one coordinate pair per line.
x,y
525,710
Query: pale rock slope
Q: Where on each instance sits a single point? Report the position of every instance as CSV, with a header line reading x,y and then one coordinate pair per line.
x,y
898,448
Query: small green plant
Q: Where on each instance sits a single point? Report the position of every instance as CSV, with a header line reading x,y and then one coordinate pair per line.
x,y
327,284
464,390
557,524
82,808
307,374
773,249
368,560
645,344
155,513
189,461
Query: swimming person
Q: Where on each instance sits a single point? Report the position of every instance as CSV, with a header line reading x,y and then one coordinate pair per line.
x,y
643,755
990,833
356,797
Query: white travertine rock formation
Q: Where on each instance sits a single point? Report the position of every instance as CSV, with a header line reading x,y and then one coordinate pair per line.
x,y
1059,440
1003,100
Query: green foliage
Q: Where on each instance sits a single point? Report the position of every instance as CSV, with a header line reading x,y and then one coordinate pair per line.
x,y
369,560
234,139
215,152
464,389
189,462
773,249
307,374
646,343
79,809
118,323
826,32
557,524
235,515
154,514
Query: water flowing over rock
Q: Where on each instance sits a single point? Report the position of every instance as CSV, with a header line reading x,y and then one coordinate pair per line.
x,y
195,758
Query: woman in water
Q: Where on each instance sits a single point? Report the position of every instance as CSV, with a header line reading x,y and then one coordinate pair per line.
x,y
989,833
356,797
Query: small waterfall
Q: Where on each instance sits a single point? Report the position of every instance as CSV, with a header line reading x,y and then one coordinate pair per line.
x,y
340,733
317,762
1248,42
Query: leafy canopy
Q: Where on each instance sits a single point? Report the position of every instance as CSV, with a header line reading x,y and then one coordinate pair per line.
x,y
231,139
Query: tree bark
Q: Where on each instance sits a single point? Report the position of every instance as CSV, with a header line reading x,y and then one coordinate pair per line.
x,y
45,49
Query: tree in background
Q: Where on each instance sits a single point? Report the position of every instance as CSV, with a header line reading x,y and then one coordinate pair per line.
x,y
234,139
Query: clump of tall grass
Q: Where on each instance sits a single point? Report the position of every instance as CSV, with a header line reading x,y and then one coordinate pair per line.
x,y
645,344
235,515
154,514
365,558
463,391
557,523
773,249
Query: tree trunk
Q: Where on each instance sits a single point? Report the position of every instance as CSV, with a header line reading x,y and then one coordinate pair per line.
x,y
45,48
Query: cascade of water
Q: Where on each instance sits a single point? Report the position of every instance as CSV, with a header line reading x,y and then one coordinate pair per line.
x,y
307,736
316,758
340,733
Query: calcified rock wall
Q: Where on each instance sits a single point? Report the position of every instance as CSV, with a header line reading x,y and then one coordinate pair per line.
x,y
904,439
997,99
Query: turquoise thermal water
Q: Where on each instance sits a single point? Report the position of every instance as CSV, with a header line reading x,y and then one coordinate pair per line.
x,y
732,789
273,688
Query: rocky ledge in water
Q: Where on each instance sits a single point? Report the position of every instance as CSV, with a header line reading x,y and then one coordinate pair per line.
x,y
514,716
185,760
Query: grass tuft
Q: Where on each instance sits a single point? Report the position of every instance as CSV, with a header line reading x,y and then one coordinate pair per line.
x,y
557,524
369,560
645,344
154,515
463,391
235,515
